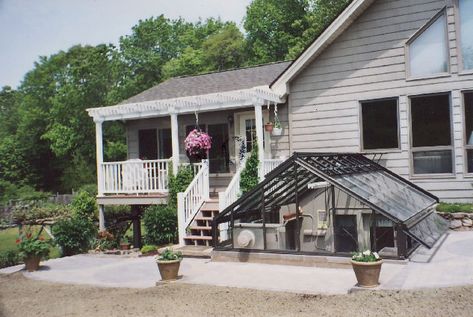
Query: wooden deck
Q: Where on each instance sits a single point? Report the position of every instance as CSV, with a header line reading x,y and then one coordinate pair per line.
x,y
132,199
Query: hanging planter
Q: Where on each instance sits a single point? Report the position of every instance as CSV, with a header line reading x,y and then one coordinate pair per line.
x,y
197,145
277,130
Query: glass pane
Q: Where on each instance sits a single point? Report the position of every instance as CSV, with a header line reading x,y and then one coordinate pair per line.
x,y
466,36
428,52
250,133
433,162
431,120
469,156
429,230
394,197
380,124
468,100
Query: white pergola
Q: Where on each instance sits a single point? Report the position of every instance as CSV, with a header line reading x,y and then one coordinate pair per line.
x,y
256,96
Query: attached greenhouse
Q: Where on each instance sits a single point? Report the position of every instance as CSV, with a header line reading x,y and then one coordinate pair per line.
x,y
330,204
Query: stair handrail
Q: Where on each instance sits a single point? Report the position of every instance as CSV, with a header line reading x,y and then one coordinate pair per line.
x,y
231,194
191,200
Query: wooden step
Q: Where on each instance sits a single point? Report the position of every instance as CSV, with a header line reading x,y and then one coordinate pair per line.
x,y
207,238
200,228
204,218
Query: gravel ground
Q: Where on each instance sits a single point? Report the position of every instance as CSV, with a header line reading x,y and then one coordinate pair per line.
x,y
20,296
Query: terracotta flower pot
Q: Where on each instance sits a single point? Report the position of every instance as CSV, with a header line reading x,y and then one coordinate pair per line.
x,y
367,273
269,126
124,246
168,269
32,262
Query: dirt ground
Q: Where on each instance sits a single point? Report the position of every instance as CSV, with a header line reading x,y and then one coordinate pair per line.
x,y
20,296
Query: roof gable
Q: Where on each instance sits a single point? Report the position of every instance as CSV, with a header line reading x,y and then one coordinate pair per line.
x,y
338,26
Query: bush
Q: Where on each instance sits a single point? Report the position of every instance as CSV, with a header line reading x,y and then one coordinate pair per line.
x,y
455,207
84,205
31,211
74,235
9,258
149,248
249,176
179,183
160,224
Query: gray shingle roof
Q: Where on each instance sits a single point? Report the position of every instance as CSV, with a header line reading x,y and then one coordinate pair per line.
x,y
242,78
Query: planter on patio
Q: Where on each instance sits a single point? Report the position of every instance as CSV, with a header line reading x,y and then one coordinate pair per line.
x,y
168,264
32,262
367,267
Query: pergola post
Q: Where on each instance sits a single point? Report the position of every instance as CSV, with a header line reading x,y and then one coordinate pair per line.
x,y
175,142
259,135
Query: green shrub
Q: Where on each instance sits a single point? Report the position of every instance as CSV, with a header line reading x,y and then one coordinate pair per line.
x,y
84,205
179,183
9,258
455,207
35,211
89,188
160,224
149,248
249,176
74,235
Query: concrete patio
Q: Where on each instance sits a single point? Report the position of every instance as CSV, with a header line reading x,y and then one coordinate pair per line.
x,y
450,263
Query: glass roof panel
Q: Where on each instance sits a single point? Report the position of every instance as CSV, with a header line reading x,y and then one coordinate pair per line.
x,y
428,230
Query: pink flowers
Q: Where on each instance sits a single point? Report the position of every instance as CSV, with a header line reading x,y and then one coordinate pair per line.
x,y
197,142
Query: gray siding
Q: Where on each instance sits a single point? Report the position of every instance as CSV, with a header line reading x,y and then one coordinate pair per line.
x,y
368,62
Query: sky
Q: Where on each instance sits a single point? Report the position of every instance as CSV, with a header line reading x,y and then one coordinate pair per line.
x,y
33,28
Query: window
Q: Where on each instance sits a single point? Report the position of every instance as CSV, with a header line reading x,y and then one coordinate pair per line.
x,y
428,51
468,105
380,124
431,134
165,143
148,144
466,35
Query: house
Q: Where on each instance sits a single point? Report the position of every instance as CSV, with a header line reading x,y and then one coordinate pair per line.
x,y
391,78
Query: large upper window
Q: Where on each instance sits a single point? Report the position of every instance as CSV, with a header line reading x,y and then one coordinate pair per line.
x,y
466,32
468,103
428,51
431,134
380,124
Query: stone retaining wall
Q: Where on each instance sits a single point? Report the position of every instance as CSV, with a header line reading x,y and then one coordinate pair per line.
x,y
459,221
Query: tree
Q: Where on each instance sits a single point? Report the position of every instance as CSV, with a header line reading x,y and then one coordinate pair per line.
x,y
8,111
272,27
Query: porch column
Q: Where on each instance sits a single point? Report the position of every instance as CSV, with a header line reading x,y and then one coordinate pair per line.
x,y
259,135
99,154
175,142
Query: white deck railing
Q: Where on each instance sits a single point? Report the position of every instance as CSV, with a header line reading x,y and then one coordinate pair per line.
x,y
190,201
231,194
269,164
134,177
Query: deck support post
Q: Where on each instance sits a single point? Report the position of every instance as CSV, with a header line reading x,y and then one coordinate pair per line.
x,y
175,142
101,217
136,213
259,135
99,154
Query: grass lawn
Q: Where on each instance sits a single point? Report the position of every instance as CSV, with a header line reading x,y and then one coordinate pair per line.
x,y
8,241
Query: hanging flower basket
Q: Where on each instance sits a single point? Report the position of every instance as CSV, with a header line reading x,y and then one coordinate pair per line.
x,y
197,144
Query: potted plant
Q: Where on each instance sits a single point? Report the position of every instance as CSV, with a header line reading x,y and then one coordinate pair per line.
x,y
32,249
268,127
197,144
168,264
125,243
367,266
277,130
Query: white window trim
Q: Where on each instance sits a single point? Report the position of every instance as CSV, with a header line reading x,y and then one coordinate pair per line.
x,y
360,116
466,146
443,11
412,149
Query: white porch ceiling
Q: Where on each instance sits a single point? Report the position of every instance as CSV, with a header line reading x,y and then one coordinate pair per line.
x,y
190,104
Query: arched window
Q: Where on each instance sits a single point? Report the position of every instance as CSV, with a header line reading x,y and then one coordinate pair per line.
x,y
428,49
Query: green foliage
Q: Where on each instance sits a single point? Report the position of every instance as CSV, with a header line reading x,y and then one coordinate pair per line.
x,y
30,243
160,224
105,241
249,175
9,258
179,183
74,235
149,248
10,191
365,256
455,207
35,211
89,188
84,205
170,255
